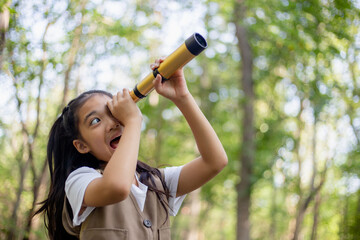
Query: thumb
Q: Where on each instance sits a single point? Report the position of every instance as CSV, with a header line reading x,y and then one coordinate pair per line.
x,y
157,83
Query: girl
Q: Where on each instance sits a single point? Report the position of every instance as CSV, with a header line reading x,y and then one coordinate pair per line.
x,y
98,188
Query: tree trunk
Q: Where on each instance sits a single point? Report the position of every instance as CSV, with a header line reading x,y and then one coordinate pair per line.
x,y
297,139
316,216
302,209
344,226
354,233
73,52
22,169
39,193
357,218
37,179
4,25
248,141
25,161
303,205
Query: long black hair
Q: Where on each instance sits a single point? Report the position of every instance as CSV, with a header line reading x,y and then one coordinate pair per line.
x,y
63,158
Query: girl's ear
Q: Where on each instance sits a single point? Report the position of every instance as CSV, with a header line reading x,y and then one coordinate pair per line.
x,y
81,146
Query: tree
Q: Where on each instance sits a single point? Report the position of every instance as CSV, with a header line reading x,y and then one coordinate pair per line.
x,y
248,141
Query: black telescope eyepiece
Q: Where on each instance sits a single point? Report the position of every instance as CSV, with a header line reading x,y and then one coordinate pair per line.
x,y
196,44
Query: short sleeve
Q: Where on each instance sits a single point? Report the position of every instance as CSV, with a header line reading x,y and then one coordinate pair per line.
x,y
172,179
75,187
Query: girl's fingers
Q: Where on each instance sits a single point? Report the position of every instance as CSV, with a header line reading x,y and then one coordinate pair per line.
x,y
157,82
109,105
118,96
157,62
126,93
154,65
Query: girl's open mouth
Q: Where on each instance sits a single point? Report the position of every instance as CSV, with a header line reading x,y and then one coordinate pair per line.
x,y
114,143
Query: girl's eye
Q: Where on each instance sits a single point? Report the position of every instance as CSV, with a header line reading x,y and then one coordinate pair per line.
x,y
94,121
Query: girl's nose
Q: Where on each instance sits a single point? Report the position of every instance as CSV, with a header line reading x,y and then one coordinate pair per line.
x,y
112,123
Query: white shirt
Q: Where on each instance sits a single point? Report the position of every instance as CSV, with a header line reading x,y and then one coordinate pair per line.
x,y
78,180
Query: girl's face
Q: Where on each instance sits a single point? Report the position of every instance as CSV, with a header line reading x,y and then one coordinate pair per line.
x,y
99,131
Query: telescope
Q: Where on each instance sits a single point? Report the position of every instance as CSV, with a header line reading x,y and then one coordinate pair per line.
x,y
192,47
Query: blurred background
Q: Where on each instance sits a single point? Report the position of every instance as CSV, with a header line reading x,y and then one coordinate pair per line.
x,y
279,82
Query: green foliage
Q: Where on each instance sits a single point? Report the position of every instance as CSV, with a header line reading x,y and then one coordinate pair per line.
x,y
305,74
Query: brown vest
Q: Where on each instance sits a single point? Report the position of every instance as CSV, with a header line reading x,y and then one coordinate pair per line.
x,y
124,220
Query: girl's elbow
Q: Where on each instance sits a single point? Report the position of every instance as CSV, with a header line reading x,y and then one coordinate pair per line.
x,y
119,192
123,193
223,162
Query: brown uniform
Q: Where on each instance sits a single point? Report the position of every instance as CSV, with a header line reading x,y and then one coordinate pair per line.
x,y
124,220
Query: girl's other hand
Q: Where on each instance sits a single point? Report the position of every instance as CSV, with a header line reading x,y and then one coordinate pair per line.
x,y
175,88
123,108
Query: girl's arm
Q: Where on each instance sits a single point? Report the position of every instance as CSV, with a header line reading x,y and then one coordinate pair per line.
x,y
119,172
212,157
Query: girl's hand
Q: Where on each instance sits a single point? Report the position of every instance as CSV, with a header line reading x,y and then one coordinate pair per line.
x,y
123,108
175,88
